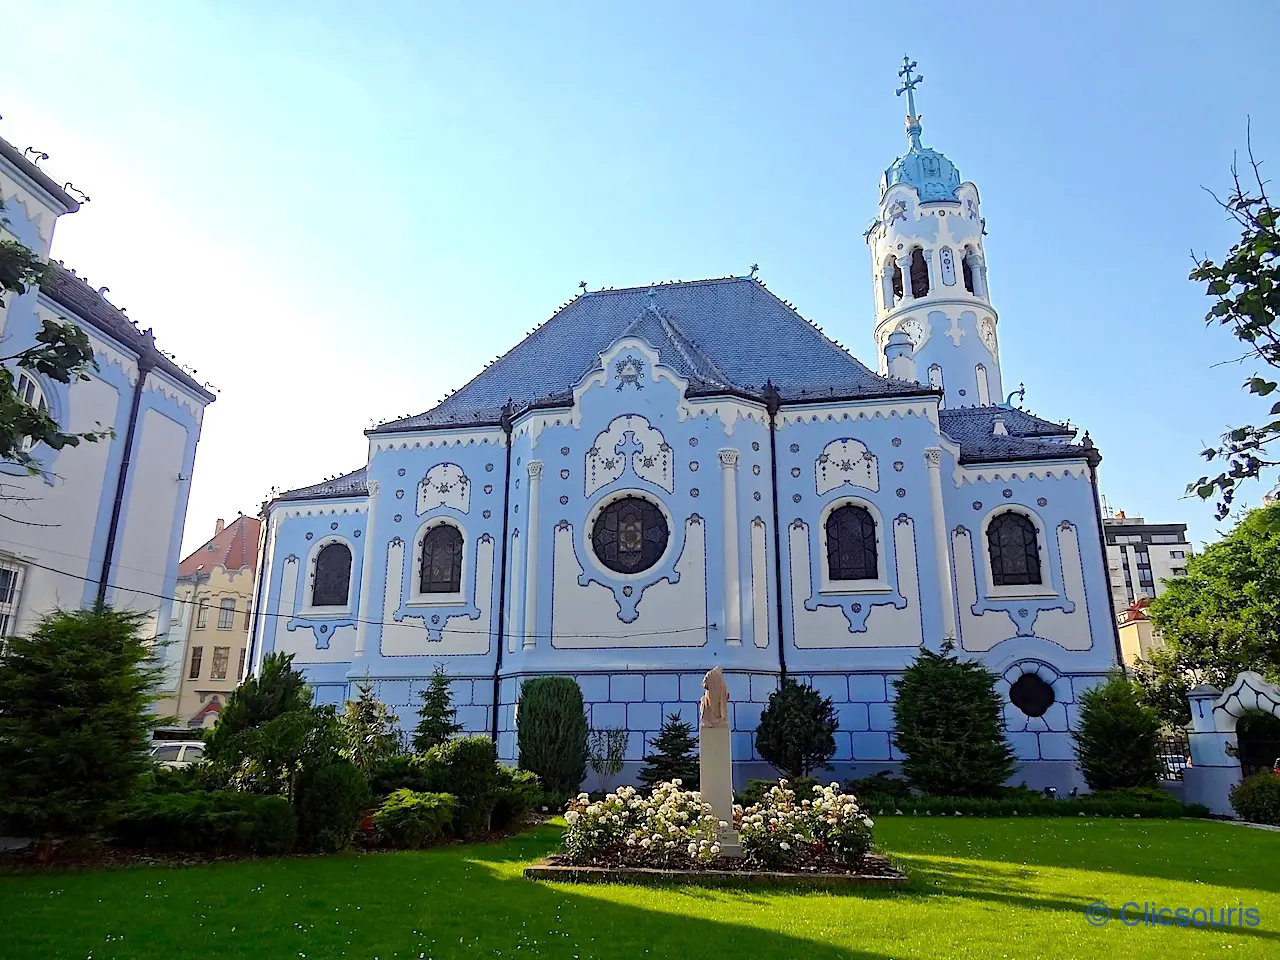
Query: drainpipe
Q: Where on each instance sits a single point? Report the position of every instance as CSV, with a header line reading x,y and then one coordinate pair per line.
x,y
146,362
773,403
257,592
1093,457
506,421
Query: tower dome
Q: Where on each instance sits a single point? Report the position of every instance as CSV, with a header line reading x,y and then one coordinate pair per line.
x,y
928,170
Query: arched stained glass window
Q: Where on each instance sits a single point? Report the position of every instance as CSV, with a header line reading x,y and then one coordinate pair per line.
x,y
441,560
630,535
332,581
1015,550
851,544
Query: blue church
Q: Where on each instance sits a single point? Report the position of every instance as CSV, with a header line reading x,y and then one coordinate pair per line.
x,y
667,478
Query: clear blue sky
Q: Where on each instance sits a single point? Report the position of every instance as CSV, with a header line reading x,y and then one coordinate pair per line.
x,y
338,212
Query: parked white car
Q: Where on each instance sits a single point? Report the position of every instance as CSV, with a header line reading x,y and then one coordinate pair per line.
x,y
177,753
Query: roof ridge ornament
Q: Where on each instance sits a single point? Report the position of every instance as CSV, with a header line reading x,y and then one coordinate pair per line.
x,y
909,84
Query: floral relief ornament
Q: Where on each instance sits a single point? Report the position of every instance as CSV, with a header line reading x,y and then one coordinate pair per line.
x,y
628,371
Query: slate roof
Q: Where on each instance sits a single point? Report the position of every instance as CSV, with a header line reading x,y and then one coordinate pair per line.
x,y
1029,437
728,334
348,485
46,183
72,292
234,547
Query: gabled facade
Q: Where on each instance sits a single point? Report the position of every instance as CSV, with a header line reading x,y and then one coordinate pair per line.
x,y
105,519
660,480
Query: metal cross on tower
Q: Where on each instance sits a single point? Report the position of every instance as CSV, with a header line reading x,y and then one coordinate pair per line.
x,y
909,84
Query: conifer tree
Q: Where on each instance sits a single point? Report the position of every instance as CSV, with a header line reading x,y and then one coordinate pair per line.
x,y
674,755
437,721
370,730
797,730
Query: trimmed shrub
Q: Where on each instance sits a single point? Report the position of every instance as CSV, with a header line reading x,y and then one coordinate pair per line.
x,y
410,820
394,773
330,801
883,784
468,769
212,821
1257,798
551,730
674,755
797,730
518,792
949,722
1029,803
1118,738
276,689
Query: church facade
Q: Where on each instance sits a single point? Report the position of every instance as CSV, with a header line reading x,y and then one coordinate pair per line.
x,y
663,479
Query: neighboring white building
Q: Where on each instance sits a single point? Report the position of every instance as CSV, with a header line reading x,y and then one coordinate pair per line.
x,y
1272,495
101,520
1141,555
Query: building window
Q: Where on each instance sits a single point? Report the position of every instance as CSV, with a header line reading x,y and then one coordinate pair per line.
x,y
332,582
226,613
919,274
244,653
441,560
220,657
1177,554
1031,694
197,654
630,535
202,615
248,614
1015,550
29,392
10,587
851,544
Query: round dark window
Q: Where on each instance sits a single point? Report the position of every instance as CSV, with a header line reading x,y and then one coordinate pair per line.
x,y
629,535
1031,695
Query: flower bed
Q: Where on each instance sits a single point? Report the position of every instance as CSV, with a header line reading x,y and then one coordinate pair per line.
x,y
673,834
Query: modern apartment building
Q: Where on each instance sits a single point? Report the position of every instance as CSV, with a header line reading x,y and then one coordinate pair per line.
x,y
1141,555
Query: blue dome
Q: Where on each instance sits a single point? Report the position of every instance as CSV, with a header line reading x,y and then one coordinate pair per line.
x,y
930,172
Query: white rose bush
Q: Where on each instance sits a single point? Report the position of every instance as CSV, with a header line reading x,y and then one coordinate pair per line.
x,y
830,829
672,827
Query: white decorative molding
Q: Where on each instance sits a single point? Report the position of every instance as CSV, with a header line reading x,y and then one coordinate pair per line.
x,y
669,614
368,570
437,439
629,438
533,423
162,385
727,409
823,626
445,485
515,582
326,508
853,411
34,211
732,586
759,585
531,564
955,331
933,462
630,364
1023,470
460,634
846,461
987,334
1071,631
888,625
978,632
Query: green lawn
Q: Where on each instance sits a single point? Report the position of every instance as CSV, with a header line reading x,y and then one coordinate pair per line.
x,y
980,888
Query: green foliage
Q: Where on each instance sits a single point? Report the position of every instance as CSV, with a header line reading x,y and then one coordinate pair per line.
x,y
883,785
1256,799
605,751
755,791
76,718
402,771
1118,737
409,820
1223,617
468,769
270,758
275,690
1245,289
949,722
552,733
797,730
331,800
437,718
518,793
370,731
674,755
208,821
1029,803
62,352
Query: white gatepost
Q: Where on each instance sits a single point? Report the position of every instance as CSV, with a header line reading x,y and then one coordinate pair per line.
x,y
1215,748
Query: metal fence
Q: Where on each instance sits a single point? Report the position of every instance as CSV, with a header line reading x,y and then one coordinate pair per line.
x,y
1175,753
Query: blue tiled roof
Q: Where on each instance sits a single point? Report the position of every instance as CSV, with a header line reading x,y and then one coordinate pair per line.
x,y
719,334
1029,437
348,485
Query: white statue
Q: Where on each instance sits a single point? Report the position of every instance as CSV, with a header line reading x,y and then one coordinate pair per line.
x,y
713,711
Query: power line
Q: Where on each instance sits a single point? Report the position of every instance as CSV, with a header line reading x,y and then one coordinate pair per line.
x,y
384,623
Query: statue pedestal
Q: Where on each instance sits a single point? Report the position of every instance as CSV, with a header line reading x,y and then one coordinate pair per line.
x,y
715,769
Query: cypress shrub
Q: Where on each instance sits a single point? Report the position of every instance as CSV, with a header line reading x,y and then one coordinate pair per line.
x,y
949,722
551,731
1118,739
330,802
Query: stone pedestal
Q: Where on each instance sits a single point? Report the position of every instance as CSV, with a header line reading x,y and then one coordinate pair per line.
x,y
715,769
